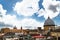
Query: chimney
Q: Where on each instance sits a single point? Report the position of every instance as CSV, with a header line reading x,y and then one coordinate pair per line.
x,y
39,28
21,27
15,27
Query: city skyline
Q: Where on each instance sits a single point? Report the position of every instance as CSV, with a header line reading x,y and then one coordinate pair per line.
x,y
28,13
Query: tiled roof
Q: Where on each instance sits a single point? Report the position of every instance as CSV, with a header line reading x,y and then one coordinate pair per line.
x,y
49,22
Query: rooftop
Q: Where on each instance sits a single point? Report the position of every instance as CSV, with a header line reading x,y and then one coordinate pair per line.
x,y
49,22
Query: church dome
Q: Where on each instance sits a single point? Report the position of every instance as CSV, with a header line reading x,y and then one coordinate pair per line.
x,y
49,22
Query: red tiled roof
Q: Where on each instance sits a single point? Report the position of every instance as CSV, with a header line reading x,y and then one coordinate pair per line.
x,y
38,36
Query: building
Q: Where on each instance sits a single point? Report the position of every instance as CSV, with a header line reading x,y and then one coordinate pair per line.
x,y
48,31
51,30
10,36
49,24
14,30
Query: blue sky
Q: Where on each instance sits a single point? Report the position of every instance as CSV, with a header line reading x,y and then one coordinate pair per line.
x,y
28,13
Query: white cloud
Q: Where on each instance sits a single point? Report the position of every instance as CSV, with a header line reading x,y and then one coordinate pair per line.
x,y
7,19
31,23
2,11
26,7
12,20
52,9
26,23
29,7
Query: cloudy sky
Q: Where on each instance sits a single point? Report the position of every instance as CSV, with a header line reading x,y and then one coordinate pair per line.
x,y
28,13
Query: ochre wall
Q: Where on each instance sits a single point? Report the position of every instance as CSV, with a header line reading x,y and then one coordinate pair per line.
x,y
47,28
